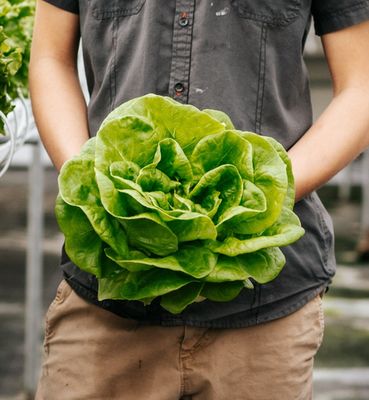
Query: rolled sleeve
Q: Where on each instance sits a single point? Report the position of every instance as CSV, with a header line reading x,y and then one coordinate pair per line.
x,y
67,5
332,15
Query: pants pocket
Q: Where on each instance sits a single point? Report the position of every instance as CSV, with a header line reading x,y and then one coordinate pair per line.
x,y
62,293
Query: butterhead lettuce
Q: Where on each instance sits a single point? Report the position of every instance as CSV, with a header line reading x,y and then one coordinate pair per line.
x,y
169,201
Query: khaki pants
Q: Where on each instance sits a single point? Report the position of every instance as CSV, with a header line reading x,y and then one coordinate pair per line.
x,y
91,354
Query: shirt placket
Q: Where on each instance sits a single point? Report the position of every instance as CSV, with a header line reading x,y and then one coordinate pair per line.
x,y
179,81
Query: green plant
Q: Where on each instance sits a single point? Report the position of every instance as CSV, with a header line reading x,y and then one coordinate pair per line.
x,y
16,20
172,201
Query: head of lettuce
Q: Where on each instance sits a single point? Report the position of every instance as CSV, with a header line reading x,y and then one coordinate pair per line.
x,y
172,202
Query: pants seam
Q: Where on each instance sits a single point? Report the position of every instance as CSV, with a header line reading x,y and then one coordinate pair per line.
x,y
181,368
185,387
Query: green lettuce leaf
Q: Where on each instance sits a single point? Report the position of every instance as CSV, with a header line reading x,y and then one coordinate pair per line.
x,y
176,301
181,261
282,233
225,291
141,285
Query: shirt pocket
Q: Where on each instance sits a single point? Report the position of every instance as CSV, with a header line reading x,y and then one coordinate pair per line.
x,y
272,12
106,9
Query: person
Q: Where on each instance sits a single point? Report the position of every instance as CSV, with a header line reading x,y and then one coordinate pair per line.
x,y
244,57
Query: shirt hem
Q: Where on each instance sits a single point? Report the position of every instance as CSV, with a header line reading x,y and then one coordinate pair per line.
x,y
255,317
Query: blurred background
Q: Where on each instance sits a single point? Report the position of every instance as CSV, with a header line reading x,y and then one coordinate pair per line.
x,y
30,245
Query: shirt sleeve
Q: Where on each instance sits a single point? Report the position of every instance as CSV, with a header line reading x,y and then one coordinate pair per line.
x,y
67,5
333,15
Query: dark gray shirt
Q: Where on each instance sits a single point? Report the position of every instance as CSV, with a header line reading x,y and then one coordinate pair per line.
x,y
243,57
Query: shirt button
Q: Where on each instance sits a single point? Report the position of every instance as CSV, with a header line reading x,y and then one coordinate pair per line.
x,y
183,21
179,87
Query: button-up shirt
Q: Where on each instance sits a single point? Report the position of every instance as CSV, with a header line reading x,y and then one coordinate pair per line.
x,y
244,57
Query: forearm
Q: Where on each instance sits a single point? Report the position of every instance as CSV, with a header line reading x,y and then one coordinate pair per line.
x,y
57,100
59,108
337,137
